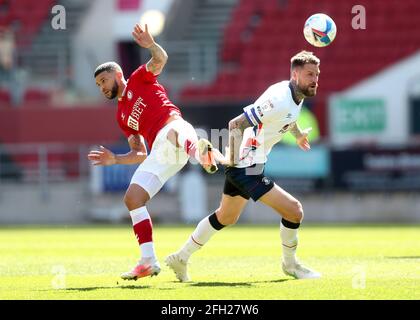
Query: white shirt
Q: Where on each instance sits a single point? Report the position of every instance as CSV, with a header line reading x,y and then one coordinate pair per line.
x,y
271,116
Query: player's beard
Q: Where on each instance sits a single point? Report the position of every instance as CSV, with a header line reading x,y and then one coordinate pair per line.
x,y
309,91
114,91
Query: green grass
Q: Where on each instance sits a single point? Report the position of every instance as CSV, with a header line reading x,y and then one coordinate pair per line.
x,y
241,262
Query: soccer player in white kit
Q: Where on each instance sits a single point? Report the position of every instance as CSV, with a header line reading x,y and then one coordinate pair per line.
x,y
251,137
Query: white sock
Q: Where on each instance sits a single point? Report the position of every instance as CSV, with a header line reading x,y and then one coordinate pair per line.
x,y
289,241
148,250
202,233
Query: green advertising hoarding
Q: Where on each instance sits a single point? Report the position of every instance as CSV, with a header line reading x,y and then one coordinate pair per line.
x,y
353,116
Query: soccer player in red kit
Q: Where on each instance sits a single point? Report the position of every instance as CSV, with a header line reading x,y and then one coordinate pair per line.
x,y
146,114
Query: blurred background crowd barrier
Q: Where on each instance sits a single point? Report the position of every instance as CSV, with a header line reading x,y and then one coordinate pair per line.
x,y
364,164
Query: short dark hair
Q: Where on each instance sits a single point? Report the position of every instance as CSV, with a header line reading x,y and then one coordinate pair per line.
x,y
302,58
107,66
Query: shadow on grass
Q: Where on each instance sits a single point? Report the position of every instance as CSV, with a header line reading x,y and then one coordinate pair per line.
x,y
234,284
191,284
119,286
86,289
275,281
93,288
404,257
221,284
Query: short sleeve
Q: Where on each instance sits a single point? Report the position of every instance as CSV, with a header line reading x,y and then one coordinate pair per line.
x,y
128,133
141,74
263,112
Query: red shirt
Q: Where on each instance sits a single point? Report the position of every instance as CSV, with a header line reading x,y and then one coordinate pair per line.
x,y
144,106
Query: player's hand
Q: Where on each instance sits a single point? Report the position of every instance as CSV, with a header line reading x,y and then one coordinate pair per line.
x,y
220,158
303,141
142,37
102,157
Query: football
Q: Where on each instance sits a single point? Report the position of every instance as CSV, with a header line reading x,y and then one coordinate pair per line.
x,y
319,30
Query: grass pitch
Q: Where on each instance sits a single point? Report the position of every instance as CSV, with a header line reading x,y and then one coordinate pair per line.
x,y
240,262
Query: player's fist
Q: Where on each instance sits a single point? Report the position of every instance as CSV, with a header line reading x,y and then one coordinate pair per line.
x,y
142,36
102,157
303,141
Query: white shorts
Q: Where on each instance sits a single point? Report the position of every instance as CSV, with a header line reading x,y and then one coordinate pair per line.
x,y
165,159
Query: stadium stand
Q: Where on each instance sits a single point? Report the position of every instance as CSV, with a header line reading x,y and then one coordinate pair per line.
x,y
42,56
262,36
27,14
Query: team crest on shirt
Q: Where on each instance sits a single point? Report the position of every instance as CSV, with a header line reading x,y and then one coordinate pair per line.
x,y
260,111
129,95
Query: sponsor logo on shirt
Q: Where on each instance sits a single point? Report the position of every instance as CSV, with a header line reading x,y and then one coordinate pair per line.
x,y
267,106
138,108
133,123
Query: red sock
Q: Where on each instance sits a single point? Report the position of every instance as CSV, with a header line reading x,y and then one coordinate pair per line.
x,y
144,231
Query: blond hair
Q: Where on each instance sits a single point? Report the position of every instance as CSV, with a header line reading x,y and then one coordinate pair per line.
x,y
302,58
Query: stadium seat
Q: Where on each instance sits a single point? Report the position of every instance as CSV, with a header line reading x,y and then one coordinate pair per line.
x,y
35,96
5,98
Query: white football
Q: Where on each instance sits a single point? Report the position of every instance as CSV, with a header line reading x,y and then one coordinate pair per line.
x,y
319,30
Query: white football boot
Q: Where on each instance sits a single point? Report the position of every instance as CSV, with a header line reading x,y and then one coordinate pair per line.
x,y
178,266
299,271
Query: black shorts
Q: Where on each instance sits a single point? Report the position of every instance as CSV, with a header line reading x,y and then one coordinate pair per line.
x,y
247,182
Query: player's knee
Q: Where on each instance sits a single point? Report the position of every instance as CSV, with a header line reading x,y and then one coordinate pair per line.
x,y
298,211
133,201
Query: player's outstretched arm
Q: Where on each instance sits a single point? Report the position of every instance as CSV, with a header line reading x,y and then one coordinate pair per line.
x,y
301,137
105,157
159,56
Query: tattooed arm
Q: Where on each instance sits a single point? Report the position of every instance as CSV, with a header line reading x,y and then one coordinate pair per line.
x,y
236,131
296,131
301,136
158,60
159,56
